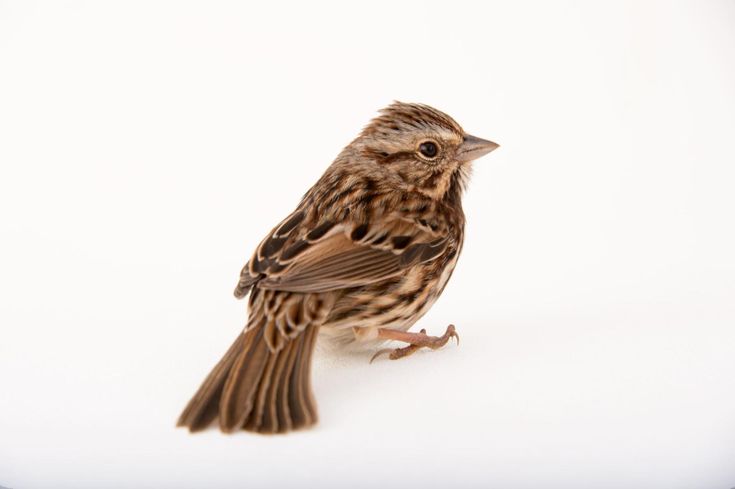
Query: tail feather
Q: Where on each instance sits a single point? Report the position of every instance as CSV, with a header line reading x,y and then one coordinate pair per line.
x,y
272,410
300,390
257,389
201,411
242,383
256,419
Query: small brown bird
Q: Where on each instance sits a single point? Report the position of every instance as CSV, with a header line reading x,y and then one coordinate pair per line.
x,y
366,253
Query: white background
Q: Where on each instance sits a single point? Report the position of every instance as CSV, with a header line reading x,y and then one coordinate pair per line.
x,y
147,147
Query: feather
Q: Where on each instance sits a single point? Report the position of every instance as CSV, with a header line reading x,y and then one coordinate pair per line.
x,y
242,382
349,258
203,407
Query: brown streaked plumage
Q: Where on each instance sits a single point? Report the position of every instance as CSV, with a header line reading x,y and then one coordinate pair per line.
x,y
366,253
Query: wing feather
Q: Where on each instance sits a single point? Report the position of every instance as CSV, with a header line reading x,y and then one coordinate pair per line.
x,y
324,256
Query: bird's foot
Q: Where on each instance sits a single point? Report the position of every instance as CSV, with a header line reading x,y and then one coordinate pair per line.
x,y
415,341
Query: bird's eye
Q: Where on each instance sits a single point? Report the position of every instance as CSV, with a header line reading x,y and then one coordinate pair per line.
x,y
428,149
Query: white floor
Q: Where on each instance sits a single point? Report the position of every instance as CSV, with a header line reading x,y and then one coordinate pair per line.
x,y
637,396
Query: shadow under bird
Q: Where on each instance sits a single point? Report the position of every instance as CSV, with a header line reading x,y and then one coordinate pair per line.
x,y
366,253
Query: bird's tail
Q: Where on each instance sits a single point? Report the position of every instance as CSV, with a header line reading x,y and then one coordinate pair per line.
x,y
257,389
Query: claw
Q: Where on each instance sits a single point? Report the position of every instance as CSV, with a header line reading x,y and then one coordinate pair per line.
x,y
380,352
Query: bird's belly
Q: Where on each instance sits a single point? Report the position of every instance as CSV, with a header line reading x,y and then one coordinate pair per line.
x,y
396,305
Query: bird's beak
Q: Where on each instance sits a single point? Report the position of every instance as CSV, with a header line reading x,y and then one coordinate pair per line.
x,y
473,147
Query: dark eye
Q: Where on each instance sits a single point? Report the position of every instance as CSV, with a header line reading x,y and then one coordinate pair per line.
x,y
428,149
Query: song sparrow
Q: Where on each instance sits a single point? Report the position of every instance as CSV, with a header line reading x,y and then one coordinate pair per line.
x,y
366,253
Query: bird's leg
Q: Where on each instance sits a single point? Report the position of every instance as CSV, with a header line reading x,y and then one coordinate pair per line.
x,y
415,341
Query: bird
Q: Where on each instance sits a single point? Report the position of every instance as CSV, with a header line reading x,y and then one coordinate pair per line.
x,y
367,251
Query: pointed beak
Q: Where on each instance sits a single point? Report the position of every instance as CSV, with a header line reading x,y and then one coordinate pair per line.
x,y
473,147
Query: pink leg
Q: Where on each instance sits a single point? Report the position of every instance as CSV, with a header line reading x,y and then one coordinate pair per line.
x,y
415,341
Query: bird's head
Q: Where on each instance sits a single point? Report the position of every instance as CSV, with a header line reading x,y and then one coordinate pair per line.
x,y
422,147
